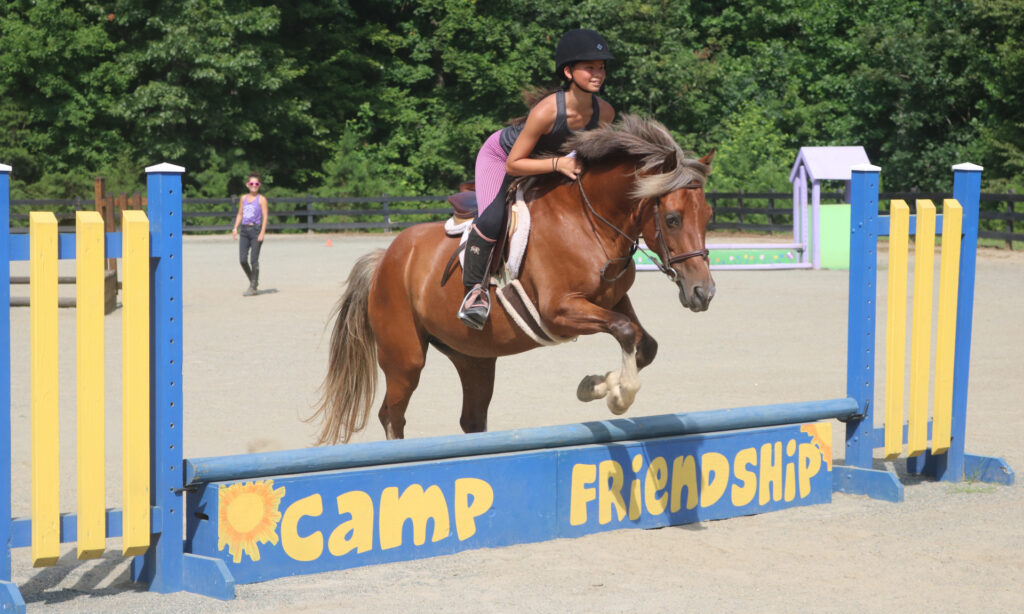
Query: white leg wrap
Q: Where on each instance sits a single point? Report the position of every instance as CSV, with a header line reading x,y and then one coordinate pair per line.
x,y
623,385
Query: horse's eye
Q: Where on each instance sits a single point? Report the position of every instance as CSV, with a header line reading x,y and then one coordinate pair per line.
x,y
672,220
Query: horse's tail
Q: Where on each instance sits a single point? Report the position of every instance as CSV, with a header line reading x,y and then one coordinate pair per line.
x,y
351,380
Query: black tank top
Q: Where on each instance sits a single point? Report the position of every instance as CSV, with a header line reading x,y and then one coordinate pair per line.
x,y
560,131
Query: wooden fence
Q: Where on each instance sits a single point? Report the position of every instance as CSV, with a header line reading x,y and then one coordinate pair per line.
x,y
755,212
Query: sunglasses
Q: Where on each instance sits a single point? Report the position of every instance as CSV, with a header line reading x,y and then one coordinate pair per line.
x,y
255,183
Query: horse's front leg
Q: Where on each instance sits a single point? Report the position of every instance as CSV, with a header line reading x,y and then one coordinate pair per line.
x,y
647,349
618,388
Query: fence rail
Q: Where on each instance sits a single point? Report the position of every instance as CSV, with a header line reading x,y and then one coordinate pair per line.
x,y
758,212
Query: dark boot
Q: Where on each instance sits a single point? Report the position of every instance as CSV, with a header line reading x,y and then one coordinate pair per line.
x,y
248,275
254,282
477,305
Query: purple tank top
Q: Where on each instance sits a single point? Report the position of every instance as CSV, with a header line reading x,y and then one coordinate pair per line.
x,y
251,211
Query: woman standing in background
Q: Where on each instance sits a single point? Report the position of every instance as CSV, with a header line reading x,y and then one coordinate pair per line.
x,y
251,224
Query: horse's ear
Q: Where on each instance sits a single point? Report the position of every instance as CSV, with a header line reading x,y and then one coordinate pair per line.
x,y
670,163
708,158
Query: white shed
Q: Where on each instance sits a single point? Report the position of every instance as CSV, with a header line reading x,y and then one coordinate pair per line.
x,y
814,165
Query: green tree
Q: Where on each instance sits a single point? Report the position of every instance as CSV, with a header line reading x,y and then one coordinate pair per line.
x,y
918,92
752,155
1001,129
210,83
396,96
56,86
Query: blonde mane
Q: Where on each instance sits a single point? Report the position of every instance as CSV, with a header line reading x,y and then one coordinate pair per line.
x,y
649,140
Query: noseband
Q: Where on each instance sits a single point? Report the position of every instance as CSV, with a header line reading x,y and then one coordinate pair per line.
x,y
664,265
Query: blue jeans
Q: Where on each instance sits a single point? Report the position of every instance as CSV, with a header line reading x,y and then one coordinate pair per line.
x,y
249,249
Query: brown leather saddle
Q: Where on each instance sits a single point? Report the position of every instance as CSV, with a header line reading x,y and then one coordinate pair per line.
x,y
464,208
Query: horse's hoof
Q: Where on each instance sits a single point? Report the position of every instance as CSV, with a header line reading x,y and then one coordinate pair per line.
x,y
617,411
619,403
591,387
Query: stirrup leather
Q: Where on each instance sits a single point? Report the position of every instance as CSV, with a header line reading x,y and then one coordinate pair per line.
x,y
476,307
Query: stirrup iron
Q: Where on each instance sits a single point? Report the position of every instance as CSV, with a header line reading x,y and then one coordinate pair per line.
x,y
476,316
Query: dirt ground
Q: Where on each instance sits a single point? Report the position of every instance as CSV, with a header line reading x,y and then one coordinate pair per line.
x,y
253,366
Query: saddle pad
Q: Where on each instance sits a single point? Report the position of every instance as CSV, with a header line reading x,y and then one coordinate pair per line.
x,y
456,226
520,229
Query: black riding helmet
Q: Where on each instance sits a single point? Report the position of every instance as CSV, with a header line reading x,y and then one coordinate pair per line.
x,y
578,46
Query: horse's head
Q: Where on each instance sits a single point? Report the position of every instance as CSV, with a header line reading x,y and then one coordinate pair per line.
x,y
675,226
668,186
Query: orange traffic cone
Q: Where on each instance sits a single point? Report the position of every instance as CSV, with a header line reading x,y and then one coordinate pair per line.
x,y
329,244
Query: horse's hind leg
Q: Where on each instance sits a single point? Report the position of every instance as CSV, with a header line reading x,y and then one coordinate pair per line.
x,y
401,355
477,377
401,382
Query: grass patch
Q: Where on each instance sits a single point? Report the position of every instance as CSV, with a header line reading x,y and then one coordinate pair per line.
x,y
971,488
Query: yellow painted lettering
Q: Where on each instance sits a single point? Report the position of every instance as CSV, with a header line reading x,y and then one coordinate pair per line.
x,y
300,548
416,505
473,497
634,488
609,491
357,532
770,487
743,493
714,478
656,479
789,486
810,464
684,475
581,493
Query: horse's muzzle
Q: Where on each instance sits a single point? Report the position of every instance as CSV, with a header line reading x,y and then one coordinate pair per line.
x,y
696,297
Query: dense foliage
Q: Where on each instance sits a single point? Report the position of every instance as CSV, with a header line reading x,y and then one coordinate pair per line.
x,y
344,98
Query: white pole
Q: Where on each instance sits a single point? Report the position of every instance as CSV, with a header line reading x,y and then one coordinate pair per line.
x,y
816,221
805,257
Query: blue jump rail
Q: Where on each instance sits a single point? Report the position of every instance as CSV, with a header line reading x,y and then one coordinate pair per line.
x,y
244,466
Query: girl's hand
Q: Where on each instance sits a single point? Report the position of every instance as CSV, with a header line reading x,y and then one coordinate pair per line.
x,y
570,167
260,238
234,233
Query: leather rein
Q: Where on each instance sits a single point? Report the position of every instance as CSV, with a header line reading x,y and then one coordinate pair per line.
x,y
664,264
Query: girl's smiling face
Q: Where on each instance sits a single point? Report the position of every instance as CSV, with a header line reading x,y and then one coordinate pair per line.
x,y
588,75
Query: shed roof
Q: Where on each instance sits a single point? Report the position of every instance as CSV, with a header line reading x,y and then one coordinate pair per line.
x,y
829,162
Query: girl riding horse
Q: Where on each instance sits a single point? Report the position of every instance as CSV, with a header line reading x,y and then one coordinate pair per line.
x,y
512,152
635,181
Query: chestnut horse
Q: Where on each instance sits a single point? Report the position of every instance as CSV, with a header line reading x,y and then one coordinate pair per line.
x,y
578,268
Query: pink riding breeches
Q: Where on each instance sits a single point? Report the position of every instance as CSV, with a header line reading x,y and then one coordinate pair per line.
x,y
490,171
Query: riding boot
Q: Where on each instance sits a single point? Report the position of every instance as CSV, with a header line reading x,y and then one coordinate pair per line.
x,y
477,305
254,282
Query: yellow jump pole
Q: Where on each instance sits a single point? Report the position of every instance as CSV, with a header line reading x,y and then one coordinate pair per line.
x,y
896,327
949,272
44,394
921,331
135,352
90,356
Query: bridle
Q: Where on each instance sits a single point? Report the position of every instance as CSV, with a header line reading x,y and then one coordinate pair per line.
x,y
663,264
670,259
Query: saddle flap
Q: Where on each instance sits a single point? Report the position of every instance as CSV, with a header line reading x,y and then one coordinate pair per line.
x,y
464,204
